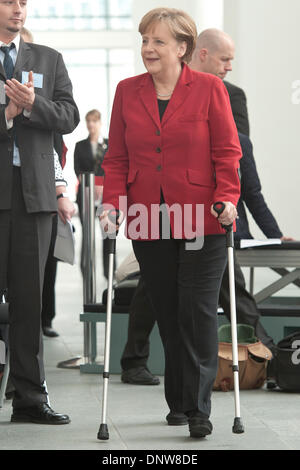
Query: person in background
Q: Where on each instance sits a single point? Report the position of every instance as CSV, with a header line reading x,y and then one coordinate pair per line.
x,y
214,53
88,157
161,122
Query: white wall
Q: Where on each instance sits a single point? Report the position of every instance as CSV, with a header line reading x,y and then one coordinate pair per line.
x,y
267,40
206,13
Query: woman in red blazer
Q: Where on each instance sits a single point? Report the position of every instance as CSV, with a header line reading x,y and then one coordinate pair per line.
x,y
173,141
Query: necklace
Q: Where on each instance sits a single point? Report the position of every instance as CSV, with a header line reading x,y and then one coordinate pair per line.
x,y
164,95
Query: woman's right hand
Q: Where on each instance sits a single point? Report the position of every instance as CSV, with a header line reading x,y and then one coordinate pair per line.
x,y
107,222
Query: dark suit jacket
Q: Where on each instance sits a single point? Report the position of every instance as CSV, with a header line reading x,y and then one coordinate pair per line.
x,y
84,161
54,110
251,195
238,103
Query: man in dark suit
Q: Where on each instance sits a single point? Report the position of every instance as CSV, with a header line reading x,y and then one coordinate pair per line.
x,y
48,299
214,54
36,100
238,103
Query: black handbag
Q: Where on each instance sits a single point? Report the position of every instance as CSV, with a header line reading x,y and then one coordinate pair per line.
x,y
287,363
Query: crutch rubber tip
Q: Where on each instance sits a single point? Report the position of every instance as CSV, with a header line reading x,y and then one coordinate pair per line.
x,y
103,434
238,427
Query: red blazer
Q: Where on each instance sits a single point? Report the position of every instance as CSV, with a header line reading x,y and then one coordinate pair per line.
x,y
192,154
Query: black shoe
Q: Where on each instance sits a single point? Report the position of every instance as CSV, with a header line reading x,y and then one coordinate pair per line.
x,y
199,427
139,376
48,331
271,383
176,418
39,414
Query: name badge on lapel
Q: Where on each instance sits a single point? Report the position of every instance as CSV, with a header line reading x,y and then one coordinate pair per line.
x,y
37,79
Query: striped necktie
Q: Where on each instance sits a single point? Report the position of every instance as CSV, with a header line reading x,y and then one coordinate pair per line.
x,y
9,71
8,62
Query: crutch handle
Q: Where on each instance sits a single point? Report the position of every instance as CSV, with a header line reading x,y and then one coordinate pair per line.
x,y
219,207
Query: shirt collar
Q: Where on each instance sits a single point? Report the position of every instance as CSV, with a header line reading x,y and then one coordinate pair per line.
x,y
15,41
100,140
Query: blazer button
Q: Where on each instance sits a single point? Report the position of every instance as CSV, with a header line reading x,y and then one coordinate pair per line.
x,y
158,150
158,168
157,132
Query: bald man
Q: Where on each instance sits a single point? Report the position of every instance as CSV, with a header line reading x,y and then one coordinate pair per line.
x,y
214,54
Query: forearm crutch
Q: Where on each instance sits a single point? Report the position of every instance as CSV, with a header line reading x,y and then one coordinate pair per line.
x,y
103,433
237,427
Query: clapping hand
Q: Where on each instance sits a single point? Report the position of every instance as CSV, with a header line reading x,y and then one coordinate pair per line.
x,y
21,95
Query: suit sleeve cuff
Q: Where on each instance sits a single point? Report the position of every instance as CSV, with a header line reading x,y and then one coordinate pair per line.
x,y
26,113
9,124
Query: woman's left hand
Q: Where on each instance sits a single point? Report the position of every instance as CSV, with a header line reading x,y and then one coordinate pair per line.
x,y
108,225
228,215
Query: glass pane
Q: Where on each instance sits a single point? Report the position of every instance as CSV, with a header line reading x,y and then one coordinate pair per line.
x,y
95,74
56,15
123,7
80,57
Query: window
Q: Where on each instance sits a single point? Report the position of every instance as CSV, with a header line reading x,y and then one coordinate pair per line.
x,y
79,15
95,74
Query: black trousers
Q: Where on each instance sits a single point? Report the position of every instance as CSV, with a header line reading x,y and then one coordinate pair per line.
x,y
140,324
183,286
24,247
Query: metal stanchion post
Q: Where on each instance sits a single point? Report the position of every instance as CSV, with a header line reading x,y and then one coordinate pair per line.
x,y
89,276
89,271
87,363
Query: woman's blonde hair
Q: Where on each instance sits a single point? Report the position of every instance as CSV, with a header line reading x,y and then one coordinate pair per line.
x,y
181,25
